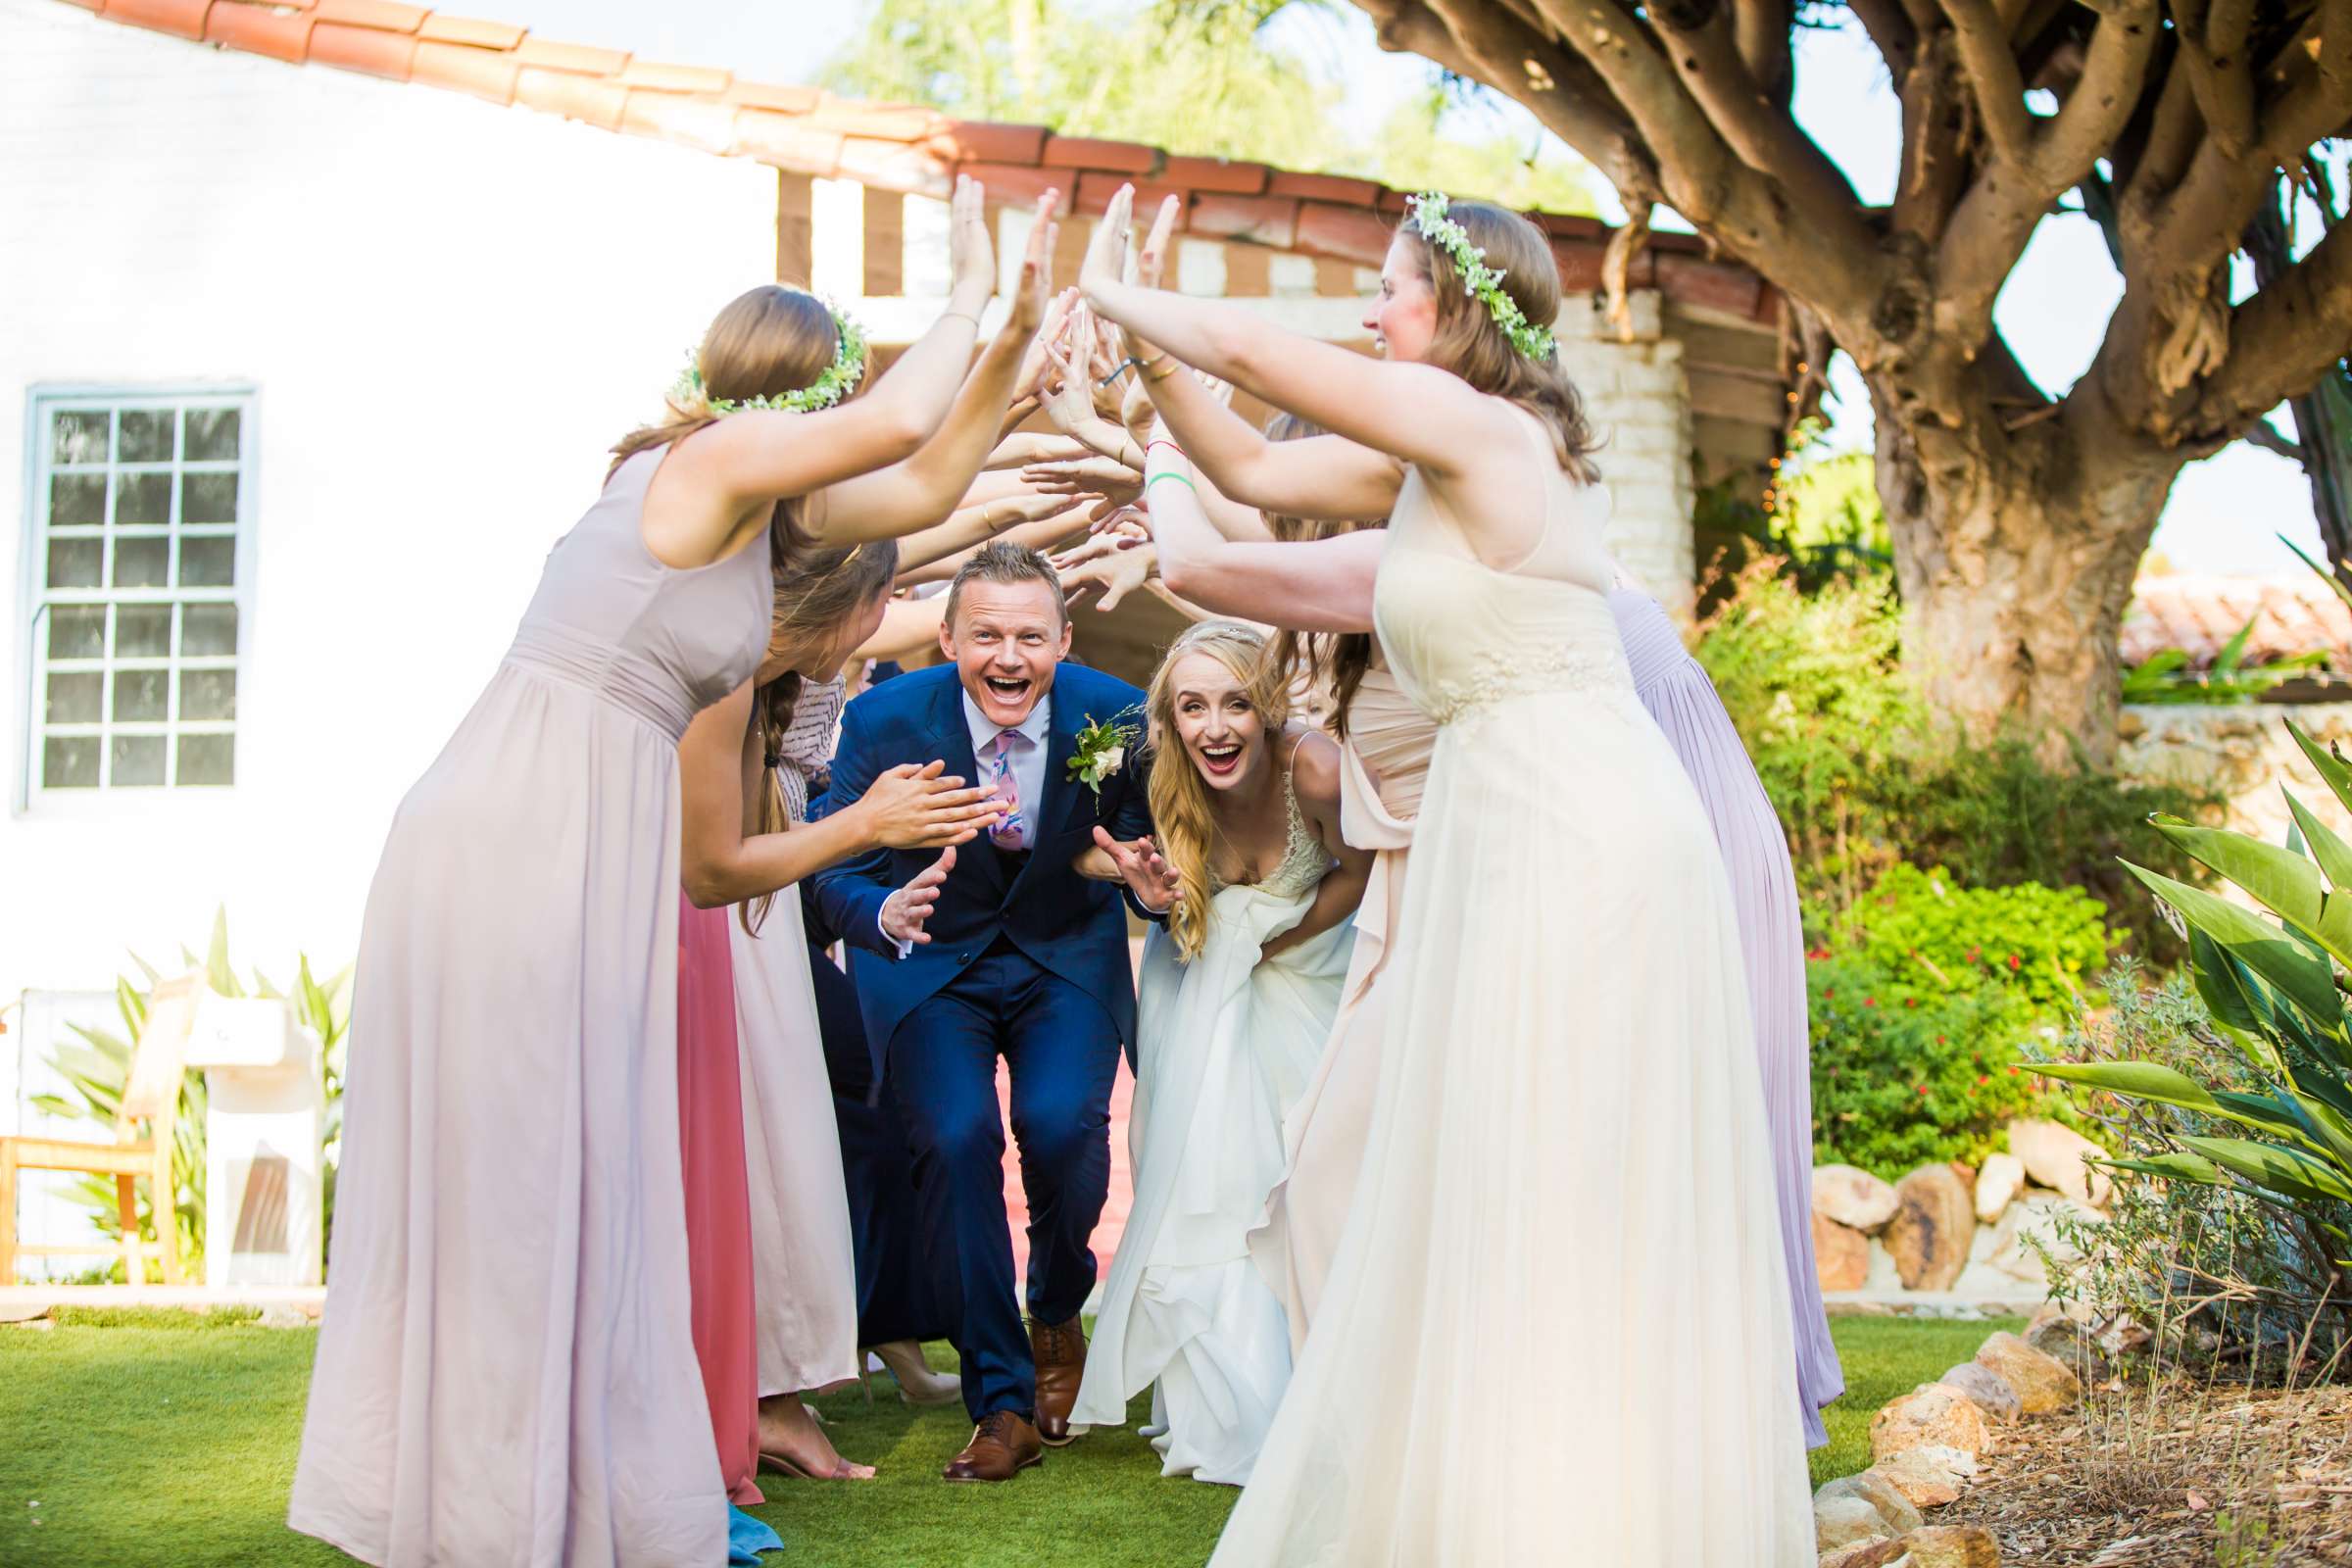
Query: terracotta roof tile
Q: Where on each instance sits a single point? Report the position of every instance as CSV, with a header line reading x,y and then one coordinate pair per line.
x,y
1580,266
386,16
260,30
1325,188
975,141
1217,174
881,122
674,78
784,97
1354,233
1254,220
185,17
87,5
583,98
2200,615
896,165
672,117
1567,225
484,73
787,140
578,58
1087,152
1716,286
1096,190
1015,187
370,50
442,28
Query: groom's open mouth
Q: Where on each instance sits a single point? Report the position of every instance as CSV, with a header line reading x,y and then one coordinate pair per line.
x,y
1009,688
1220,762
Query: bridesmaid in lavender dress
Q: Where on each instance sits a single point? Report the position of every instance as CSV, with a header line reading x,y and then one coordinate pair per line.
x,y
506,1370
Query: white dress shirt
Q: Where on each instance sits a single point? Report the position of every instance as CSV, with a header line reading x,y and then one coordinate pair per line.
x,y
1028,770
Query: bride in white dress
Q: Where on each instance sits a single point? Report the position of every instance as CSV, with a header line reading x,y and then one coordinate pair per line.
x,y
1556,1328
1237,996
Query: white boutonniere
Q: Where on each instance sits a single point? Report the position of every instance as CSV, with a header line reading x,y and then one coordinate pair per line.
x,y
1103,749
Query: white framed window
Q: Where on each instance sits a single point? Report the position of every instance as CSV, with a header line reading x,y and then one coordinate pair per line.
x,y
140,509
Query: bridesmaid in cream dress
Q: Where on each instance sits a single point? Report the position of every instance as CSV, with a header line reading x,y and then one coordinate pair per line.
x,y
1568,1170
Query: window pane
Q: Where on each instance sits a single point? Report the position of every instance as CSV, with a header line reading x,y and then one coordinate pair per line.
x,y
206,759
143,563
208,498
143,631
73,699
70,762
74,562
208,563
208,630
77,631
142,696
136,759
208,694
142,500
76,499
145,436
77,437
213,435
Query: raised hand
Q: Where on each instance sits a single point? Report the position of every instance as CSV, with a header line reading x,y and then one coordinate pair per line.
x,y
1097,475
1115,575
1106,253
905,911
1070,401
1125,531
971,254
912,806
1152,257
1147,877
1033,298
1037,362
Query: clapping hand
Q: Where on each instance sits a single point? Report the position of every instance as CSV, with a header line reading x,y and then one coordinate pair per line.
x,y
1147,877
1114,573
971,256
1034,299
905,911
1106,252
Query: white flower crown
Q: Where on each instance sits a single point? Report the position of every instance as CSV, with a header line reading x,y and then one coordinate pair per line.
x,y
1479,281
841,377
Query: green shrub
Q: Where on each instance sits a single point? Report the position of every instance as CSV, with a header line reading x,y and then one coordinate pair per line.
x,y
2034,942
1908,1070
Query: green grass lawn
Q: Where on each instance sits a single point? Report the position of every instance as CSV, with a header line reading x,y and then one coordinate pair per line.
x,y
154,1438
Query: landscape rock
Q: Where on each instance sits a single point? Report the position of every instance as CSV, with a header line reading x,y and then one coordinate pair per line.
x,y
1998,1184
2067,1341
1852,1197
1840,1255
1879,1554
2043,1382
280,1315
2035,1218
1991,1393
1931,1416
1844,1521
1930,1476
1952,1547
2053,1155
1933,1228
1874,1488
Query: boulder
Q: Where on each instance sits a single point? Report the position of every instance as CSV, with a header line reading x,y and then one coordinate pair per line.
x,y
1843,1521
2043,1382
1840,1255
1873,1488
2053,1155
1853,1197
1931,1230
1997,1184
1879,1554
1930,1476
2067,1341
1952,1547
1930,1416
2035,1219
1993,1396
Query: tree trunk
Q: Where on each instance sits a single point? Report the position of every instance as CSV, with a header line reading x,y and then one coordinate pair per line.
x,y
2014,554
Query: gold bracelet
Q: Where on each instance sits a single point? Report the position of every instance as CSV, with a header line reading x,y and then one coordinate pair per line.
x,y
965,315
1149,375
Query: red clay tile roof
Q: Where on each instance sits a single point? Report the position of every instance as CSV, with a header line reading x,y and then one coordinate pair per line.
x,y
899,147
2200,615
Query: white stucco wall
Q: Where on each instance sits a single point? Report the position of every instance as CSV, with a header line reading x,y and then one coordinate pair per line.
x,y
450,309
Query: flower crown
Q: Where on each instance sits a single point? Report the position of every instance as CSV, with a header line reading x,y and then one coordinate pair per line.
x,y
841,377
1479,281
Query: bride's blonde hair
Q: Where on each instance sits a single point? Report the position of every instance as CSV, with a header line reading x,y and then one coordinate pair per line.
x,y
1183,807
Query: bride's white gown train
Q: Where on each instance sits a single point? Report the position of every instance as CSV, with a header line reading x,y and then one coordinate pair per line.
x,y
1556,1329
1224,1047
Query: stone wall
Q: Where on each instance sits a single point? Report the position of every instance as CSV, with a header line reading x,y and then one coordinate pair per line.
x,y
2244,751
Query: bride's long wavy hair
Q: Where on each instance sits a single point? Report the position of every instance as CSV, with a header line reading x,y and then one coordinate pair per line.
x,y
1184,808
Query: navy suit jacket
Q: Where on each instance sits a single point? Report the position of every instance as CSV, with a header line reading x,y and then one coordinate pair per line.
x,y
1069,925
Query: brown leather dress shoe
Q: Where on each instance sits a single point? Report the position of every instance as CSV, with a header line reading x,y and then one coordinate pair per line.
x,y
1059,1351
1002,1445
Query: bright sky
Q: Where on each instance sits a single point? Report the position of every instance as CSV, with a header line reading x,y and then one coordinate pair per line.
x,y
2223,513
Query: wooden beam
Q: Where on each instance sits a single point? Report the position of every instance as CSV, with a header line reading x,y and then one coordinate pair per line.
x,y
792,229
885,243
1249,272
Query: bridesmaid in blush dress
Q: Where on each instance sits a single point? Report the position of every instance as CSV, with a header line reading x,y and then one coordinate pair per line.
x,y
506,1373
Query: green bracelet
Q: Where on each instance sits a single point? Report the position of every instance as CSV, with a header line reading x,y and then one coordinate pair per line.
x,y
1169,473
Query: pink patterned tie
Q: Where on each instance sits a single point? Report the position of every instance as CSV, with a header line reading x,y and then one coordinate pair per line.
x,y
1012,831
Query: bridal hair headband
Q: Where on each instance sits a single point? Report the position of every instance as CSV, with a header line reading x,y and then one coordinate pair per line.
x,y
1479,281
841,377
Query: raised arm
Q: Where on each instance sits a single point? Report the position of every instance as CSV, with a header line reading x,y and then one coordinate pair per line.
x,y
1322,476
1416,413
1312,585
971,526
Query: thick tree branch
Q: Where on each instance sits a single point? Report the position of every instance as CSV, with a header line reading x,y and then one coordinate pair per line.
x,y
2283,339
1704,53
2212,49
1762,29
1891,33
1993,77
2103,98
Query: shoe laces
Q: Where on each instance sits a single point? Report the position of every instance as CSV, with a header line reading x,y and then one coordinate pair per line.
x,y
1055,1339
995,1425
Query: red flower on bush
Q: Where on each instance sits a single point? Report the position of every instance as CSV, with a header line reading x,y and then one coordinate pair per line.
x,y
1910,1002
2012,960
1973,953
1984,1078
1869,1001
1922,1091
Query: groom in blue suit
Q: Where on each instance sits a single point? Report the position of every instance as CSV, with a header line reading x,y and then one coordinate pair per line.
x,y
1012,945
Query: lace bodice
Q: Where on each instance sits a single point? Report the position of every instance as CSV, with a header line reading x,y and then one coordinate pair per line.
x,y
1304,858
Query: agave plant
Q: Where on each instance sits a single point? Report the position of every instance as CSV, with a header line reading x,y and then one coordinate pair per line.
x,y
2272,986
2163,676
98,1070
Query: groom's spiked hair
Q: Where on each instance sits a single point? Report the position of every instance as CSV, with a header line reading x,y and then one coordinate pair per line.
x,y
1003,562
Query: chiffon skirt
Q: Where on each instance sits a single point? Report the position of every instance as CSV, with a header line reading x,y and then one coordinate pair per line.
x,y
718,1219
